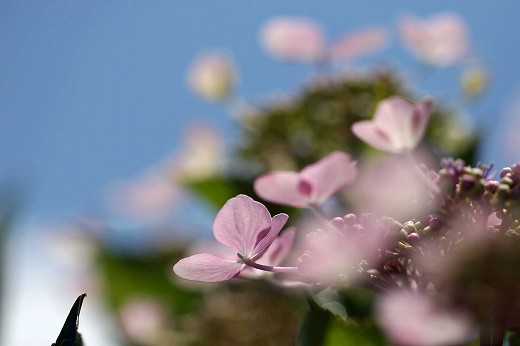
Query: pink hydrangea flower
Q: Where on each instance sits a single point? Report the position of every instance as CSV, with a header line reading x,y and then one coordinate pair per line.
x,y
312,186
335,254
293,39
244,225
358,43
398,125
415,319
275,254
390,187
439,40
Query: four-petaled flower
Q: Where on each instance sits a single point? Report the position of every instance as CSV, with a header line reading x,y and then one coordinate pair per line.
x,y
242,224
293,39
310,187
439,40
398,125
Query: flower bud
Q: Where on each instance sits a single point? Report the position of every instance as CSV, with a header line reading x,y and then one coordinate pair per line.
x,y
213,76
435,223
505,171
474,81
409,227
507,181
467,182
338,223
350,219
424,232
413,238
492,186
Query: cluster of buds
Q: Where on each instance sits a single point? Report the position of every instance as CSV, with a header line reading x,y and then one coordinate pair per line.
x,y
423,261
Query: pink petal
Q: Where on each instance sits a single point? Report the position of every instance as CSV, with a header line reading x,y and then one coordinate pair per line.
x,y
276,226
207,268
328,175
395,116
440,40
416,319
240,222
331,254
375,137
358,43
397,127
280,248
297,39
281,188
421,117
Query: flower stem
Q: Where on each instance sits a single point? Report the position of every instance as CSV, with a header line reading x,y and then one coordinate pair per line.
x,y
252,264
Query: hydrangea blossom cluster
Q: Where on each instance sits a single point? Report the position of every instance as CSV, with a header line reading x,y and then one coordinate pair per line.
x,y
426,263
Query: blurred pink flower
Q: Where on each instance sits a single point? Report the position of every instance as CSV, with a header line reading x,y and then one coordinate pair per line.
x,y
243,225
440,40
312,186
398,125
293,39
149,197
201,155
337,253
358,43
392,187
143,320
213,76
415,319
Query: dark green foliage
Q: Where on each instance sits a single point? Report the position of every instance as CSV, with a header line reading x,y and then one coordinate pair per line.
x,y
320,327
130,275
352,334
69,335
215,191
318,121
314,327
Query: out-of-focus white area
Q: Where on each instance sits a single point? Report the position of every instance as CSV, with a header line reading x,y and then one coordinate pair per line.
x,y
41,284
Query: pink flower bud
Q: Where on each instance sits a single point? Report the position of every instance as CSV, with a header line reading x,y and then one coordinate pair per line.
x,y
439,40
293,39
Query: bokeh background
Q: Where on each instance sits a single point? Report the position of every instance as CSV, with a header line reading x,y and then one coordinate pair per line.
x,y
93,94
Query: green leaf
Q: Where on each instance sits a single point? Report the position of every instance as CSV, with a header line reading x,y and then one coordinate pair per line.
x,y
216,190
513,338
314,327
69,335
346,334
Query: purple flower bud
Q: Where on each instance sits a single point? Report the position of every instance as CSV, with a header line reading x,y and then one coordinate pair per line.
x,y
505,171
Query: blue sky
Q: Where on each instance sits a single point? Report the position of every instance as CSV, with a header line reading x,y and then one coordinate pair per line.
x,y
93,91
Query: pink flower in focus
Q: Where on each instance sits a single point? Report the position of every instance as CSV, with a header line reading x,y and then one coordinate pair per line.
x,y
398,125
275,254
213,76
414,319
439,40
293,39
312,186
243,225
358,43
